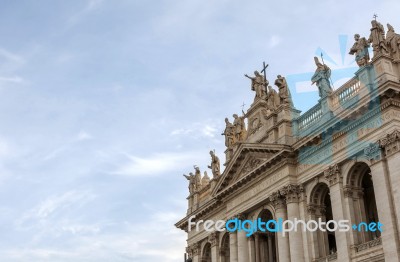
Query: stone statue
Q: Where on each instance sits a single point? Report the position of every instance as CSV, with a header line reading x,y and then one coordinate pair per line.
x,y
284,93
393,42
273,99
192,182
215,165
258,84
229,133
205,180
360,49
240,128
197,177
321,78
377,38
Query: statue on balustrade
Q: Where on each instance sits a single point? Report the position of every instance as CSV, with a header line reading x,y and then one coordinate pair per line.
x,y
205,180
229,134
197,177
321,77
284,92
360,49
215,165
192,182
273,100
393,42
239,127
377,38
258,84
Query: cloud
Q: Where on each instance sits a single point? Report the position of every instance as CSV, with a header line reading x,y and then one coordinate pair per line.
x,y
12,57
274,41
156,164
197,130
15,79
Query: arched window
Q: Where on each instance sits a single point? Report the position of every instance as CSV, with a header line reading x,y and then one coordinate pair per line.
x,y
224,250
360,191
265,243
324,242
206,254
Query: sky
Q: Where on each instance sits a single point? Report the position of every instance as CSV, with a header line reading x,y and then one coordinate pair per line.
x,y
105,104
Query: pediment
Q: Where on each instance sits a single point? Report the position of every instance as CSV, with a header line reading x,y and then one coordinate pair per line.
x,y
247,158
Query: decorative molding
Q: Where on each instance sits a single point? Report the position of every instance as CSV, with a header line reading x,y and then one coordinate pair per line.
x,y
213,238
372,152
277,200
291,193
195,249
333,175
391,143
311,209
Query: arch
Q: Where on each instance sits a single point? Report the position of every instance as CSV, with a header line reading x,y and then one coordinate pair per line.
x,y
225,248
265,244
362,203
324,242
206,253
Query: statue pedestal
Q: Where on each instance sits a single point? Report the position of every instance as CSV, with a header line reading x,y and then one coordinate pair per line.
x,y
284,127
385,69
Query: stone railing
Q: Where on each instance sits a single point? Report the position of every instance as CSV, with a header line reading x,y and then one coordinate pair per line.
x,y
367,245
331,257
310,117
345,92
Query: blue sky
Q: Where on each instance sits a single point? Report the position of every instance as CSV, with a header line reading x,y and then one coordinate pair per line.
x,y
105,104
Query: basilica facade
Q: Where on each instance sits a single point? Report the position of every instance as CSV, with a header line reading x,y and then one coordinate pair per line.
x,y
340,160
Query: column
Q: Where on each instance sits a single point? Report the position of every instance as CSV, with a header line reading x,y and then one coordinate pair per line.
x,y
283,241
391,144
233,247
303,216
350,208
270,247
196,252
291,192
311,210
257,243
214,240
334,177
243,247
383,197
252,249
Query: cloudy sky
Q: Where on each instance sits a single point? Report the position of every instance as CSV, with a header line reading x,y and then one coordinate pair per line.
x,y
105,104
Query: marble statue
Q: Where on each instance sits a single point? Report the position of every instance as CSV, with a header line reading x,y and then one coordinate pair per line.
x,y
273,98
258,84
192,183
393,43
360,49
197,177
239,127
229,133
377,38
284,93
321,78
215,165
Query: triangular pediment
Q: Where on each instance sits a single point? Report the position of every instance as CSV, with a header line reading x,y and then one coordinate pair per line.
x,y
247,158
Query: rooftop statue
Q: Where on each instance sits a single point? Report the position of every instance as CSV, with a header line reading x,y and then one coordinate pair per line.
x,y
239,127
377,38
215,165
192,182
284,93
393,43
229,133
360,49
321,78
258,84
273,99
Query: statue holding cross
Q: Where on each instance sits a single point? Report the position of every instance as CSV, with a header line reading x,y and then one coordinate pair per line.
x,y
259,83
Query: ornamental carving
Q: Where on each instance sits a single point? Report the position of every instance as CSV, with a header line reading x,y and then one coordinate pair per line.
x,y
391,142
213,239
291,193
277,200
252,164
372,152
333,175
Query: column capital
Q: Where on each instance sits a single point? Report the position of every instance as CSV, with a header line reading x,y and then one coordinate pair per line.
x,y
277,200
291,193
213,238
333,175
390,143
311,209
373,152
